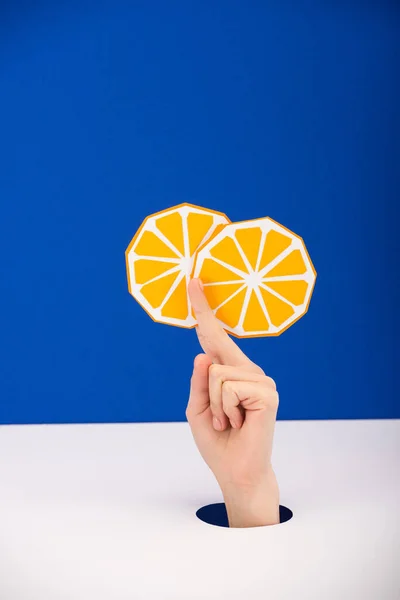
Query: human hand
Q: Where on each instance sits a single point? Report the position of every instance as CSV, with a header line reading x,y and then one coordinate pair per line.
x,y
232,412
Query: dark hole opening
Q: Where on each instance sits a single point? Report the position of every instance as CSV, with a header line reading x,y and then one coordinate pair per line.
x,y
215,514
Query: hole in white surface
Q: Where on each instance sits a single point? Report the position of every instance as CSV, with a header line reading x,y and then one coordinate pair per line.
x,y
215,514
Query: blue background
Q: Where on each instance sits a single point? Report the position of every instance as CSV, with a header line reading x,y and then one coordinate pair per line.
x,y
113,110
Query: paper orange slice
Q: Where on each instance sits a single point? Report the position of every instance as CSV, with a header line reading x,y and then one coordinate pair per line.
x,y
159,260
258,277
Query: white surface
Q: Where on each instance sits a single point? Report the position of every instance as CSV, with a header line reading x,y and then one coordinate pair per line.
x,y
107,512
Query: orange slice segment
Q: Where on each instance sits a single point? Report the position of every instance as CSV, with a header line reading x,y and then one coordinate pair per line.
x,y
199,224
151,245
156,291
293,264
147,269
249,239
217,294
278,311
293,290
275,243
214,272
160,257
171,226
230,312
177,305
255,319
227,251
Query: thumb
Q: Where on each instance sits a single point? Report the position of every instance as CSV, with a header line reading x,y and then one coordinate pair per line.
x,y
199,399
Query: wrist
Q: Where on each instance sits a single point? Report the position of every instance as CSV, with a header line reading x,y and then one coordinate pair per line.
x,y
252,504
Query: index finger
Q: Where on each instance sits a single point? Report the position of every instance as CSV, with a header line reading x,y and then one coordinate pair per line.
x,y
214,340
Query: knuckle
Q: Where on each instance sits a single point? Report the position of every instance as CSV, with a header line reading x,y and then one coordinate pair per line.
x,y
228,408
271,401
214,370
270,382
217,372
215,402
228,387
199,361
215,406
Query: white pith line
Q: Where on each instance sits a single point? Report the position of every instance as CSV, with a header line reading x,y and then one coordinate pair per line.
x,y
230,298
244,307
166,241
238,272
242,254
262,303
164,274
277,259
271,291
208,234
260,249
172,290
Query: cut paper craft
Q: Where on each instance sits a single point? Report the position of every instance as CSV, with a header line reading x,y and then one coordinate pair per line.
x,y
160,257
257,276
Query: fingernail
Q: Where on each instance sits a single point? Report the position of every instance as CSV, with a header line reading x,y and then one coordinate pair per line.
x,y
217,424
201,284
233,424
